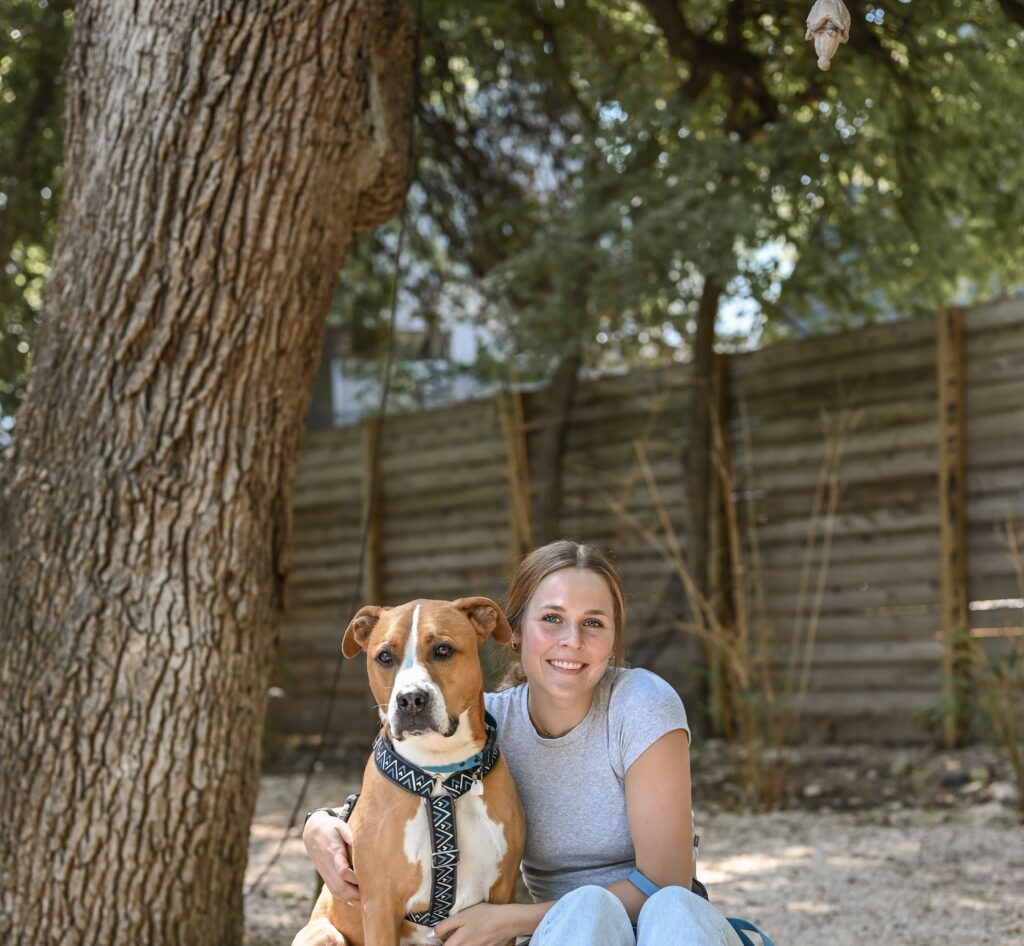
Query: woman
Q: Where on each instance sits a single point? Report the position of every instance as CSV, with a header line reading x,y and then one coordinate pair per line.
x,y
600,756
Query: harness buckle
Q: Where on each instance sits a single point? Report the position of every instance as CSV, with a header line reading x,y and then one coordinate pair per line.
x,y
444,858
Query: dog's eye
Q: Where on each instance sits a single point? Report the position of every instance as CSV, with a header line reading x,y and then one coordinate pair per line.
x,y
385,658
443,651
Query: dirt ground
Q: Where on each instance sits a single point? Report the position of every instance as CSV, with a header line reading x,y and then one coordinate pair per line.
x,y
895,847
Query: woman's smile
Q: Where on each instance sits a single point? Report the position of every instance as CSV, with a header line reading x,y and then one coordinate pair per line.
x,y
567,666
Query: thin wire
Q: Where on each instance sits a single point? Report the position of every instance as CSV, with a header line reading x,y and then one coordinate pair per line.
x,y
373,493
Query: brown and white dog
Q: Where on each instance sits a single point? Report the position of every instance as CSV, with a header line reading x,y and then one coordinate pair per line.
x,y
425,674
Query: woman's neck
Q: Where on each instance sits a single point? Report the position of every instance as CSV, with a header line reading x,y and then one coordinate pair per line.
x,y
553,718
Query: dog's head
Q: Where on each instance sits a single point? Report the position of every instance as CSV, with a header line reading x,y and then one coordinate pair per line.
x,y
422,659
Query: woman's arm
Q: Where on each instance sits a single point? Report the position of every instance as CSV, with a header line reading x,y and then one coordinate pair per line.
x,y
491,924
658,808
328,842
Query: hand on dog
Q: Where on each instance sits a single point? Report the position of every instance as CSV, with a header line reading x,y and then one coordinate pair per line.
x,y
485,924
328,842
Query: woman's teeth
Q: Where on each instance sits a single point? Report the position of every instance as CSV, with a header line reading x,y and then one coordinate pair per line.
x,y
566,664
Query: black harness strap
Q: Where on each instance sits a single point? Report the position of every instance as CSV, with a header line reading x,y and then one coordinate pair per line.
x,y
444,850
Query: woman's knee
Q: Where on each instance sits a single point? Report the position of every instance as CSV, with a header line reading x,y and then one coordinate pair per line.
x,y
691,916
589,915
673,897
594,900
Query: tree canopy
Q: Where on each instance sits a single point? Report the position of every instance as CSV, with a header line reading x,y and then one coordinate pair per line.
x,y
586,167
33,42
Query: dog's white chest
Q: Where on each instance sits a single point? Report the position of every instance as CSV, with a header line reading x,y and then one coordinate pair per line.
x,y
482,847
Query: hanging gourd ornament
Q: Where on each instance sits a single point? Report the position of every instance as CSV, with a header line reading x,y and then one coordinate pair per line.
x,y
828,24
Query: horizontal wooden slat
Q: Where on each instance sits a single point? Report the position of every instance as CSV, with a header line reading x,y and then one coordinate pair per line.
x,y
925,652
833,397
880,679
879,706
994,315
787,356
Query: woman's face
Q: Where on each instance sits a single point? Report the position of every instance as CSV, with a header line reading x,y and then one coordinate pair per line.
x,y
568,633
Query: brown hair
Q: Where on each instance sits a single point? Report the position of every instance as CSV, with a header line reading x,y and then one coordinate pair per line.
x,y
533,569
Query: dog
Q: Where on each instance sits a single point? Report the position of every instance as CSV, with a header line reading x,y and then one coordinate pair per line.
x,y
435,765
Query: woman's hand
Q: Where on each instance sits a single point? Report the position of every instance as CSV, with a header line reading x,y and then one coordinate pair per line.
x,y
485,924
328,842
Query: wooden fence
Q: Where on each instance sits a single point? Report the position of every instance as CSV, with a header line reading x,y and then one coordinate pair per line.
x,y
931,474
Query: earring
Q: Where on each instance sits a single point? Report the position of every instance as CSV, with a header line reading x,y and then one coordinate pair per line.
x,y
515,645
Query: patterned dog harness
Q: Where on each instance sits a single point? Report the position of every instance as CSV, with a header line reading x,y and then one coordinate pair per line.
x,y
465,776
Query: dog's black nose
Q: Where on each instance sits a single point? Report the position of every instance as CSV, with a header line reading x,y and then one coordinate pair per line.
x,y
412,701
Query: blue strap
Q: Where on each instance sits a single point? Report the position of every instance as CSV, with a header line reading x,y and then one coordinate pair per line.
x,y
471,763
642,883
742,927
647,886
474,761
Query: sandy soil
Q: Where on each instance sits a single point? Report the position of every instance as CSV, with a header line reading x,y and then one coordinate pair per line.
x,y
900,858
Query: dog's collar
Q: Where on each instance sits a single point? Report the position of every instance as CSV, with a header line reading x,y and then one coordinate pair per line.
x,y
421,780
473,762
444,850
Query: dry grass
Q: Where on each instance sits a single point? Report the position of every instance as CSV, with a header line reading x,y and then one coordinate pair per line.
x,y
755,706
998,679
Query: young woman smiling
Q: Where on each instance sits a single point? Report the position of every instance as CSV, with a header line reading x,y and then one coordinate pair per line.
x,y
600,756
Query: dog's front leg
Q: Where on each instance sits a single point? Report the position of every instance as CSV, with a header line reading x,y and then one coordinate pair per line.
x,y
382,922
319,932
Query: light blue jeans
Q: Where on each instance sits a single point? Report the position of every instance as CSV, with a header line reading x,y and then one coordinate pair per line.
x,y
592,916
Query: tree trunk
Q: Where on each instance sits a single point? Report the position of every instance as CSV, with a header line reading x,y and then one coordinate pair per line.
x,y
698,460
552,427
548,449
220,156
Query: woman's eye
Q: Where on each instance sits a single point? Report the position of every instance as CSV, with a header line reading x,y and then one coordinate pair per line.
x,y
550,618
385,658
443,650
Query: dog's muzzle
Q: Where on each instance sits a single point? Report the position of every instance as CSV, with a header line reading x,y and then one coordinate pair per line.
x,y
416,711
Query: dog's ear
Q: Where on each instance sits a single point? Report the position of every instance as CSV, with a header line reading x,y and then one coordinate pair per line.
x,y
358,631
486,617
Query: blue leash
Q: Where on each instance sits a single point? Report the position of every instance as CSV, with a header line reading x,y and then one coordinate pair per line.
x,y
742,927
647,886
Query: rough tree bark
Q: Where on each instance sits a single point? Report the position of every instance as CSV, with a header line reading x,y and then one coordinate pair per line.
x,y
220,156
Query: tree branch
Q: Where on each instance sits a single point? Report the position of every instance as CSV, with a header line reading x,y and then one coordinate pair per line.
x,y
1014,11
706,57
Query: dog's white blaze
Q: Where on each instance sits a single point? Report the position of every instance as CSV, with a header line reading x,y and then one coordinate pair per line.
x,y
413,675
482,847
409,657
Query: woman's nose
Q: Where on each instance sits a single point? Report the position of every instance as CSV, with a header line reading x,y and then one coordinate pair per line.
x,y
573,636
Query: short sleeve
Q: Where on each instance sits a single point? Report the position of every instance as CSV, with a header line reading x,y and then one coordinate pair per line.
x,y
498,705
641,709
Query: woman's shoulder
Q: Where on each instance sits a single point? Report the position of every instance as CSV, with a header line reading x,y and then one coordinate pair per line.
x,y
637,693
642,707
501,702
636,683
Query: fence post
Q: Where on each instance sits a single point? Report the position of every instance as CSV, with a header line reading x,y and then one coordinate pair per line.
x,y
371,501
719,561
953,519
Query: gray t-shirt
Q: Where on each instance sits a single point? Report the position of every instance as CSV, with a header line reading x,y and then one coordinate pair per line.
x,y
573,787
